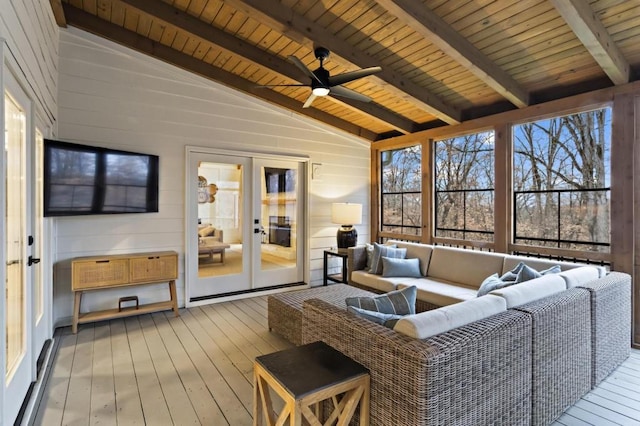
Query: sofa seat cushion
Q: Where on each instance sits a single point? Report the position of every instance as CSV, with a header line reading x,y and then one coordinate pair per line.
x,y
579,276
422,252
441,292
529,291
436,321
466,267
379,283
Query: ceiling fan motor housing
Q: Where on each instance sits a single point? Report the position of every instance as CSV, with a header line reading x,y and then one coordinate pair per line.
x,y
323,76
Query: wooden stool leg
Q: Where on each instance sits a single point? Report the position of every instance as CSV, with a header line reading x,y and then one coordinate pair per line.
x,y
365,403
257,406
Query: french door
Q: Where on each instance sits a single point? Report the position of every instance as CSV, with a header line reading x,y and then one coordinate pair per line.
x,y
22,284
245,224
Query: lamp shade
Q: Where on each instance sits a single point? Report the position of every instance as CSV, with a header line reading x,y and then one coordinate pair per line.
x,y
346,213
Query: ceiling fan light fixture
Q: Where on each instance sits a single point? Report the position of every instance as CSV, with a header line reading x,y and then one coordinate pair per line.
x,y
320,91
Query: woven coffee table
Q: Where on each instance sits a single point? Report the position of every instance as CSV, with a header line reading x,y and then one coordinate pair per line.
x,y
285,309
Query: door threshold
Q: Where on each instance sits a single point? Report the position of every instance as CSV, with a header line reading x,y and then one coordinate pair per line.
x,y
243,292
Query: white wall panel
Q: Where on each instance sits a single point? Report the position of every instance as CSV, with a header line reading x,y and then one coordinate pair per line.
x,y
112,96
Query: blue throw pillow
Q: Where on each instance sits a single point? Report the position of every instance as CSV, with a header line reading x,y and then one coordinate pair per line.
x,y
369,249
400,267
388,320
512,274
527,273
400,302
555,269
379,251
521,273
492,282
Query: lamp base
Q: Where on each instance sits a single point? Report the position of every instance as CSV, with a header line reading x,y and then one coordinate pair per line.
x,y
347,236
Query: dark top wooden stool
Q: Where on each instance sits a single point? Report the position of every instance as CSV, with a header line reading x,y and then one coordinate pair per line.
x,y
303,377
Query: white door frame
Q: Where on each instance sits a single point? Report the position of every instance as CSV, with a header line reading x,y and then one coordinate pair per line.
x,y
190,221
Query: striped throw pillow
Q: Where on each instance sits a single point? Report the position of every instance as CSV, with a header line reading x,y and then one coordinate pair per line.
x,y
380,251
399,302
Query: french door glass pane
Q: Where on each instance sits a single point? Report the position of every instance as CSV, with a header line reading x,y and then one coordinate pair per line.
x,y
15,131
278,248
38,230
220,221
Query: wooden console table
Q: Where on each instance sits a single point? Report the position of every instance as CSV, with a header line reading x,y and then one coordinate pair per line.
x,y
102,272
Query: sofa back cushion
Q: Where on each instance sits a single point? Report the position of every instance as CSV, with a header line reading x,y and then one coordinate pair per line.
x,y
441,320
416,250
519,294
466,267
579,276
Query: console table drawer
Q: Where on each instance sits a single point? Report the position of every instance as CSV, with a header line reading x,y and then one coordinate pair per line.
x,y
99,273
153,268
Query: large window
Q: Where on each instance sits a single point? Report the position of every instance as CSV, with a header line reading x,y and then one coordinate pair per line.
x,y
561,181
401,195
464,187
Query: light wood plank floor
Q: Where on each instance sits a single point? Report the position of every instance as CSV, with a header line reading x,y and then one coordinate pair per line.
x,y
197,369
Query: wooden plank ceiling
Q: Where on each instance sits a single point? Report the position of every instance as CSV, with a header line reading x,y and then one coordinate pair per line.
x,y
443,62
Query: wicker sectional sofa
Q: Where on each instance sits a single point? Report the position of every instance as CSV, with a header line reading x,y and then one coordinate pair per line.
x,y
519,355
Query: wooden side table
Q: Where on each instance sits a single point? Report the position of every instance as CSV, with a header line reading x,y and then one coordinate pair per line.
x,y
303,377
336,278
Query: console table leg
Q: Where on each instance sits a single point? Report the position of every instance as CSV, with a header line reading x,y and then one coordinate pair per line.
x,y
174,297
76,311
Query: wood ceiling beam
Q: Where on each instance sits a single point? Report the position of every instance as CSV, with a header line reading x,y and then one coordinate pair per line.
x,y
276,15
132,40
595,37
58,13
433,28
208,34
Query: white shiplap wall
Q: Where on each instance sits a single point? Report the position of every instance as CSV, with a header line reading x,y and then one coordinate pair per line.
x,y
112,96
31,52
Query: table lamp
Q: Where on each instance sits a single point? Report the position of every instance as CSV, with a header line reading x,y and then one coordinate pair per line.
x,y
347,215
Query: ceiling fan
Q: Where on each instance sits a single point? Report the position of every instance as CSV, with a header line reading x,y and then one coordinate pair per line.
x,y
323,84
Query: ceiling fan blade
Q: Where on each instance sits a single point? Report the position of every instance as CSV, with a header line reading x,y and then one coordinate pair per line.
x,y
348,93
298,63
309,100
352,75
281,85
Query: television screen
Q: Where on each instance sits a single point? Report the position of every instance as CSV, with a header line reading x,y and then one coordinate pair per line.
x,y
83,180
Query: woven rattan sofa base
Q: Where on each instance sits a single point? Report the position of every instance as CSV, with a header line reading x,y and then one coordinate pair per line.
x,y
561,352
478,374
610,328
285,309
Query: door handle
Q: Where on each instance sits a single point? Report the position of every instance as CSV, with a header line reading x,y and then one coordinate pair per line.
x,y
32,260
13,262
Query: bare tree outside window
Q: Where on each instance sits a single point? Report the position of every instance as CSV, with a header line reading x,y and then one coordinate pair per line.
x,y
464,187
401,195
561,181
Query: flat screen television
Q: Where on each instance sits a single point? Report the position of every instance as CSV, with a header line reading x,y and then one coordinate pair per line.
x,y
86,180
